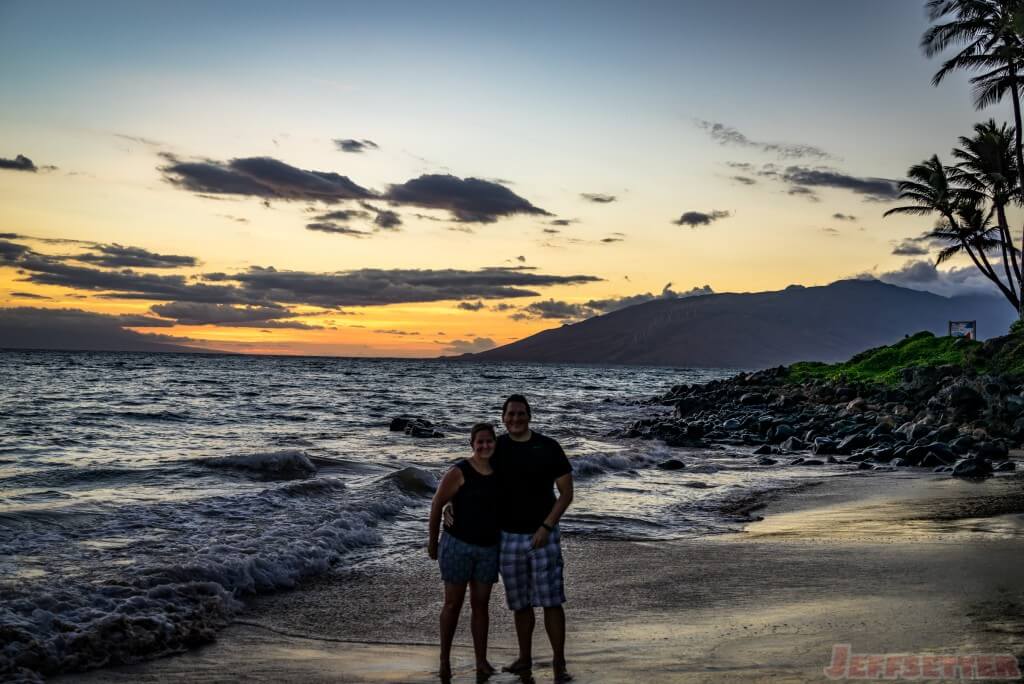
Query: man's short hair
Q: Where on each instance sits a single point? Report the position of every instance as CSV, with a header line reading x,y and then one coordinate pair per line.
x,y
519,399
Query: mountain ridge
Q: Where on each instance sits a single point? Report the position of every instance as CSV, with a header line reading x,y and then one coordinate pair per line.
x,y
758,329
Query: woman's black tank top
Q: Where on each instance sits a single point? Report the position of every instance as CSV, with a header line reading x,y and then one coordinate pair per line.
x,y
475,506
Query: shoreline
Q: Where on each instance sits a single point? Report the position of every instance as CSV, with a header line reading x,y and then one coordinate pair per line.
x,y
899,563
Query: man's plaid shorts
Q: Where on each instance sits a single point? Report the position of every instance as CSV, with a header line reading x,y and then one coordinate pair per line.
x,y
532,577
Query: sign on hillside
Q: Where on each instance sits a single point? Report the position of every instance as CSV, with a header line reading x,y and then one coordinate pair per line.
x,y
968,329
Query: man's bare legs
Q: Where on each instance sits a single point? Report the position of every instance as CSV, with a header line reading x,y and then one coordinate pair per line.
x,y
524,634
454,595
479,604
554,625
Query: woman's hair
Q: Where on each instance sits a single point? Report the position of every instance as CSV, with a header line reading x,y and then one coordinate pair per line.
x,y
481,427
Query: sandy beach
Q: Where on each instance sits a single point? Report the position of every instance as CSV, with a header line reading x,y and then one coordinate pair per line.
x,y
887,563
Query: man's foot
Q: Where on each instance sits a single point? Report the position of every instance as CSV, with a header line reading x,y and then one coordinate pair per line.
x,y
519,666
485,668
445,671
561,674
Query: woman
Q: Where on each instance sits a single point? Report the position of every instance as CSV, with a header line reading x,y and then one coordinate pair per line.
x,y
469,548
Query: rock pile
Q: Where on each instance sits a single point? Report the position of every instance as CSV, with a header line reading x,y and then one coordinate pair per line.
x,y
945,418
414,427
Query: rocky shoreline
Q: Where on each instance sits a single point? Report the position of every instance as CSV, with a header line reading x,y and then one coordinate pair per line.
x,y
945,418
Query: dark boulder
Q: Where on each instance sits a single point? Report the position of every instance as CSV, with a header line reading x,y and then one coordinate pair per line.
x,y
764,460
972,467
398,424
763,449
751,399
932,459
823,446
781,432
672,464
992,450
855,441
793,444
1004,467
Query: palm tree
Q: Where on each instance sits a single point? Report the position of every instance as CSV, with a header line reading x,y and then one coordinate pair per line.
x,y
962,220
988,31
987,168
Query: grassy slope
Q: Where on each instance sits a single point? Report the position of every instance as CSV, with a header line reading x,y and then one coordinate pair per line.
x,y
885,364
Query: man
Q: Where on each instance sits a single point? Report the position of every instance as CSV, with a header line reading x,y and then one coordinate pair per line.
x,y
529,466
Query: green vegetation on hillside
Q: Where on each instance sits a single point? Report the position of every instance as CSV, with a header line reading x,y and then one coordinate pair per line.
x,y
885,365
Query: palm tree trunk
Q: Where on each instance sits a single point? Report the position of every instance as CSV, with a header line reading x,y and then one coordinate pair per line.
x,y
986,270
984,266
1006,241
1015,94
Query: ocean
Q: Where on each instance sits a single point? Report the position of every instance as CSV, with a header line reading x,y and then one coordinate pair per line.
x,y
144,497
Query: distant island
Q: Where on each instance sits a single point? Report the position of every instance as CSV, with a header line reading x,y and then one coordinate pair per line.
x,y
757,330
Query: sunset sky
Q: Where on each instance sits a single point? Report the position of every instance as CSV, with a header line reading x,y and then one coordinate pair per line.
x,y
482,171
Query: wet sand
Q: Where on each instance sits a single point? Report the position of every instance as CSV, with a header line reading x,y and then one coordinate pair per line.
x,y
888,563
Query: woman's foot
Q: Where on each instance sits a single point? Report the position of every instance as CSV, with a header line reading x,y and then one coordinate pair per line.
x,y
485,668
561,674
445,671
519,666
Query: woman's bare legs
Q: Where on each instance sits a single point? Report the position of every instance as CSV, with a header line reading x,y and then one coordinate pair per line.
x,y
454,595
479,603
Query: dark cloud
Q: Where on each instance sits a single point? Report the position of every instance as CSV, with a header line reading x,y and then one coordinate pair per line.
x,y
29,295
119,256
843,217
597,197
263,177
557,309
745,180
149,142
909,248
267,286
830,231
198,313
396,332
727,135
33,328
562,222
11,251
470,200
923,275
551,231
804,192
369,287
385,219
599,306
471,306
700,218
880,189
125,283
343,215
609,240
22,163
355,146
336,229
478,344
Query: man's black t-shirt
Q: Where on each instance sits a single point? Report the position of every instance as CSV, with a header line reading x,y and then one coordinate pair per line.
x,y
526,476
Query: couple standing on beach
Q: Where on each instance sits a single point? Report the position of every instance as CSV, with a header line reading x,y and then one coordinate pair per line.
x,y
504,514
